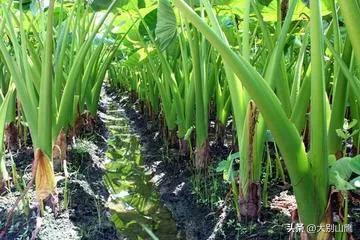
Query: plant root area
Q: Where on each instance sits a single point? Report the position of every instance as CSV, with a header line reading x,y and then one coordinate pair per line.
x,y
85,217
88,215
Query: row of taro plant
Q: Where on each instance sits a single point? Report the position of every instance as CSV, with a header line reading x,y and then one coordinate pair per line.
x,y
284,69
54,59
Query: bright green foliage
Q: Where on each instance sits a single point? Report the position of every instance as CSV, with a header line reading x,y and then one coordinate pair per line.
x,y
58,74
4,112
281,70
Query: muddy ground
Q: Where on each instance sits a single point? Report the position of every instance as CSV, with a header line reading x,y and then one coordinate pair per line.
x,y
199,221
88,218
170,177
172,180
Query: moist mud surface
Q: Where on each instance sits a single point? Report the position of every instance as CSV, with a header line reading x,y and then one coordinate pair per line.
x,y
86,216
126,183
90,213
167,173
171,175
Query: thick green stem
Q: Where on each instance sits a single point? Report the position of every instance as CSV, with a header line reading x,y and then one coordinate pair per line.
x,y
283,130
319,151
45,101
351,14
339,104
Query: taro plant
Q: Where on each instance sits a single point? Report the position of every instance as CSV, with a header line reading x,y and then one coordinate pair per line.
x,y
52,84
273,67
41,118
249,124
4,112
308,171
11,133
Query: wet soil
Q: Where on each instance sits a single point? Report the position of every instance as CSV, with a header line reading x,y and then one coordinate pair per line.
x,y
172,176
135,205
86,216
169,174
93,209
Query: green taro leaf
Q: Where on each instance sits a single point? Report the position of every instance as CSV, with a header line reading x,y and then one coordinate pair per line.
x,y
150,20
340,183
166,24
341,171
342,168
355,164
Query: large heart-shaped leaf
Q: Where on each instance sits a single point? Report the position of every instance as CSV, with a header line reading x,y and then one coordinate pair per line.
x,y
166,24
341,171
150,20
342,168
